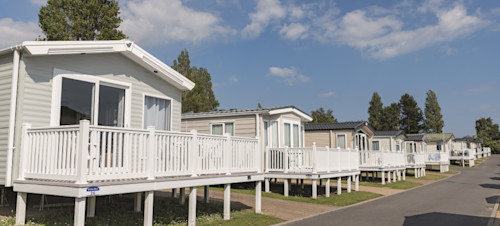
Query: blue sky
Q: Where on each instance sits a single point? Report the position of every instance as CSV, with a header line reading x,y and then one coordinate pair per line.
x,y
311,54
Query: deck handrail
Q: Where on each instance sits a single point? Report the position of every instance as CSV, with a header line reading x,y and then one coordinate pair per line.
x,y
415,159
382,158
437,158
310,160
84,153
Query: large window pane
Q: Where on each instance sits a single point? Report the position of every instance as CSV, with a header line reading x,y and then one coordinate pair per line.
x,y
341,141
229,128
375,145
286,131
274,134
217,129
296,135
157,113
76,101
111,106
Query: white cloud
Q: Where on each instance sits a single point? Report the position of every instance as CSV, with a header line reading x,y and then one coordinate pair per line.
x,y
294,31
152,22
15,32
233,79
327,94
266,11
384,37
289,76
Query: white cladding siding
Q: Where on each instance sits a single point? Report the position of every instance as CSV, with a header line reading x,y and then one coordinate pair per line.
x,y
35,89
244,125
384,143
5,94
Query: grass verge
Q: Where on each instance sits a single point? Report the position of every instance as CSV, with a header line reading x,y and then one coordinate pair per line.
x,y
167,211
394,185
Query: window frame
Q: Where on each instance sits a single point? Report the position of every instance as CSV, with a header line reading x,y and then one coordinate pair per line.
x,y
378,145
58,76
292,123
337,138
223,123
158,97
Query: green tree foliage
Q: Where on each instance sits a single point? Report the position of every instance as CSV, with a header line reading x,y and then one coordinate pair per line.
x,y
489,133
81,20
201,98
433,122
376,112
411,115
390,118
320,116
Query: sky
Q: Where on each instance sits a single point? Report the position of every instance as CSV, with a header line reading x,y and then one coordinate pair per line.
x,y
311,54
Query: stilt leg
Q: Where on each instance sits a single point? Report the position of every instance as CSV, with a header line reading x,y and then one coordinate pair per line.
x,y
192,206
227,201
148,208
258,197
314,189
383,177
174,193
404,174
21,208
79,218
356,185
266,185
339,185
349,184
388,176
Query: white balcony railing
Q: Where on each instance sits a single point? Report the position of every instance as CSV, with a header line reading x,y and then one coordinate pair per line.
x,y
382,159
415,159
437,158
311,160
467,154
82,153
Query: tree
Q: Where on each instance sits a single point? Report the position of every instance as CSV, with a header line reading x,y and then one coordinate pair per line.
x,y
433,122
376,112
390,118
320,116
81,20
259,106
201,98
411,114
489,133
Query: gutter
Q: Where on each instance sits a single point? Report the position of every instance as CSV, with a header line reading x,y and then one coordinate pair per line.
x,y
12,117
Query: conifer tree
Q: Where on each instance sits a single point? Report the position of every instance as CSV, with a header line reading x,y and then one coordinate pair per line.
x,y
201,98
390,119
411,114
376,112
80,20
433,122
321,116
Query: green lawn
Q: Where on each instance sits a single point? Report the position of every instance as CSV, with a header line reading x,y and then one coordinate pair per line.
x,y
430,176
395,185
167,211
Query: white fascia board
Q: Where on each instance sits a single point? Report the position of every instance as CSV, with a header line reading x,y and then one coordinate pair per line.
x,y
305,117
125,47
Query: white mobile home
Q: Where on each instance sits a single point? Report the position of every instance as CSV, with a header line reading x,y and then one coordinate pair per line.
x,y
439,146
92,118
416,152
463,151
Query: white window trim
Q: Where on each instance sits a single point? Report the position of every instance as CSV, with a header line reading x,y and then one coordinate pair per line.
x,y
378,144
144,95
223,123
264,133
278,130
291,122
337,137
59,74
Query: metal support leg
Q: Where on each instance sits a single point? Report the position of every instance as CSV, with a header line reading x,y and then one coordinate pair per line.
x,y
21,208
79,218
206,194
327,187
227,201
258,197
192,207
182,196
137,202
285,187
148,208
91,206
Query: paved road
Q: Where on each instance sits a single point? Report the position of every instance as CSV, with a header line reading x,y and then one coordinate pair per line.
x,y
465,199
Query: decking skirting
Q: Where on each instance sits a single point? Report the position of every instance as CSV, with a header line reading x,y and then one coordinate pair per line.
x,y
70,189
318,175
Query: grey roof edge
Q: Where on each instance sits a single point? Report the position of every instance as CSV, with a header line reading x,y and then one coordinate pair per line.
x,y
389,133
355,125
235,112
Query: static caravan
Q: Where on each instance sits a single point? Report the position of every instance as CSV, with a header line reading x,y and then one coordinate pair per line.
x,y
464,151
93,118
416,153
439,146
